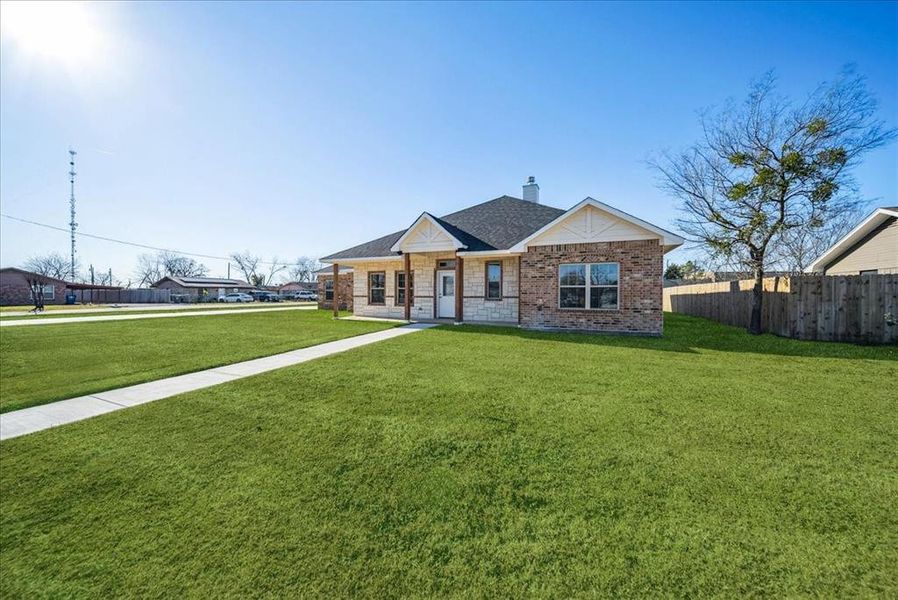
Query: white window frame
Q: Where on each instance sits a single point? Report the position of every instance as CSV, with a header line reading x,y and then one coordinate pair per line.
x,y
588,286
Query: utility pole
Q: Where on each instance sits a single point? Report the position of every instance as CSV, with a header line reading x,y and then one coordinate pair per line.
x,y
72,224
91,274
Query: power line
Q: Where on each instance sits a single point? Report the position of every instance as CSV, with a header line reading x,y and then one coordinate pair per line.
x,y
125,242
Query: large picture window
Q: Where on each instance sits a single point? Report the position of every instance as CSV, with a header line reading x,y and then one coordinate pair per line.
x,y
377,287
493,281
594,286
400,288
329,289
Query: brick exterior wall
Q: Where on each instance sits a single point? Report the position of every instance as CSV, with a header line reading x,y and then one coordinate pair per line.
x,y
640,296
15,291
344,291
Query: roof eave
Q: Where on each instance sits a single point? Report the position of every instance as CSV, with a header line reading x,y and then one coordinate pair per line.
x,y
874,220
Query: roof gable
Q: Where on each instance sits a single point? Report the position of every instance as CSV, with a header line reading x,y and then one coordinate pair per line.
x,y
877,218
427,234
592,221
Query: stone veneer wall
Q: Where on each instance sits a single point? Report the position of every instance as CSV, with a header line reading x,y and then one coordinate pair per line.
x,y
422,265
344,291
476,306
640,303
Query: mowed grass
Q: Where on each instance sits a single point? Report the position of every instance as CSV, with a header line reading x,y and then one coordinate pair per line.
x,y
99,311
466,461
40,364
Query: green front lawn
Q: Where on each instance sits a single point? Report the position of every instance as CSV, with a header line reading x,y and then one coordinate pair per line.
x,y
40,364
105,310
470,461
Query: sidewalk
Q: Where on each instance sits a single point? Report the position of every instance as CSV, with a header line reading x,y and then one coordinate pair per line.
x,y
28,420
161,315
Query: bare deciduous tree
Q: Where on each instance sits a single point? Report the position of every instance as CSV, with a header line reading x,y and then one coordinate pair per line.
x,y
153,267
770,166
51,265
799,247
304,269
247,263
251,266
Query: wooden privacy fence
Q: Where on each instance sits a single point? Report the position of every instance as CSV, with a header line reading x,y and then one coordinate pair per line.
x,y
855,308
123,296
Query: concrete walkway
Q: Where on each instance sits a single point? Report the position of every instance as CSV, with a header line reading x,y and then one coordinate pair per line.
x,y
126,317
28,420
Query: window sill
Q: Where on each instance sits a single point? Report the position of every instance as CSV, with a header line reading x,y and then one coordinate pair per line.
x,y
494,299
590,309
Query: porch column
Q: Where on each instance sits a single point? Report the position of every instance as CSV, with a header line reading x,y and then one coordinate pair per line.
x,y
519,289
408,300
459,288
336,293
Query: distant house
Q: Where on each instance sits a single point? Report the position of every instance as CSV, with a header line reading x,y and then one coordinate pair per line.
x,y
871,247
15,289
296,286
325,283
202,288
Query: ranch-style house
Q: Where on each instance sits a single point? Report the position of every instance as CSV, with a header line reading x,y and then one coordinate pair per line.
x,y
515,261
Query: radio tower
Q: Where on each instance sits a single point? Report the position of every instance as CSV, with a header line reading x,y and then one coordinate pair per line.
x,y
72,224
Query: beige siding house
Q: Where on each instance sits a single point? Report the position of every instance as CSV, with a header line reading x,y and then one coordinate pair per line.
x,y
871,247
515,261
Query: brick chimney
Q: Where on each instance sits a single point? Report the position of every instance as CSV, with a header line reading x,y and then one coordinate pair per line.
x,y
531,190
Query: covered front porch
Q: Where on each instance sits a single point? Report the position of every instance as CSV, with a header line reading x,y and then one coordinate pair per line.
x,y
440,286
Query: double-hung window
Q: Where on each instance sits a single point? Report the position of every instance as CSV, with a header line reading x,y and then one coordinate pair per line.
x,y
594,286
377,287
493,281
329,289
400,288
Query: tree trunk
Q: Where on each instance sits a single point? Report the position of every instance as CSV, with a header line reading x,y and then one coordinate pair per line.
x,y
757,302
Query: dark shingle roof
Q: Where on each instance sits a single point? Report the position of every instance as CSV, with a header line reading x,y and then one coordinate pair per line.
x,y
497,224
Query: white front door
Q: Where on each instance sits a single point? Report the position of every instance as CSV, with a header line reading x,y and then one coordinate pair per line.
x,y
446,294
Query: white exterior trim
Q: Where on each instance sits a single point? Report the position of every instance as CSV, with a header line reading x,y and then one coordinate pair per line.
x,y
667,239
454,243
488,253
349,261
873,221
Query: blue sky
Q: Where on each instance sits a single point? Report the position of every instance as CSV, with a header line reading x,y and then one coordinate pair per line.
x,y
300,129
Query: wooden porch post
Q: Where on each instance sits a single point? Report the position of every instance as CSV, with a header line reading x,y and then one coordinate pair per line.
x,y
336,294
519,289
408,300
459,288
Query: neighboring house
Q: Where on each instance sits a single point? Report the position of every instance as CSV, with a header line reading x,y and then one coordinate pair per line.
x,y
202,288
296,286
516,261
325,282
16,291
871,247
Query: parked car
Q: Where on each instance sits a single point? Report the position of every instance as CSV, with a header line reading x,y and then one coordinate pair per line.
x,y
305,295
236,297
180,298
267,297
